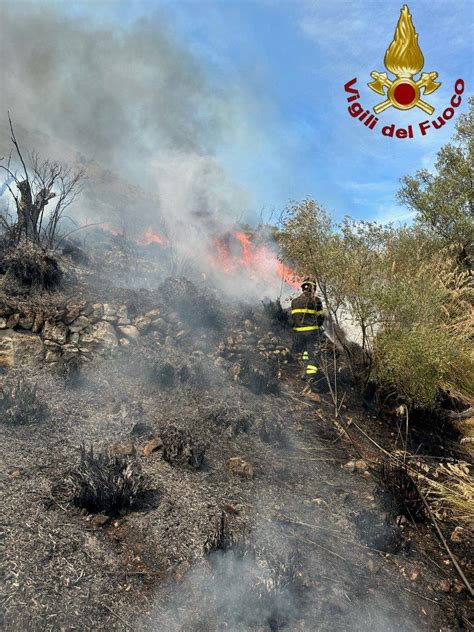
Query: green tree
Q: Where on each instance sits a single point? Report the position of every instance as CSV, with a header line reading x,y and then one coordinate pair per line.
x,y
398,293
444,200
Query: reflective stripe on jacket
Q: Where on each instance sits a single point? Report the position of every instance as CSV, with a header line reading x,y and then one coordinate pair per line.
x,y
306,313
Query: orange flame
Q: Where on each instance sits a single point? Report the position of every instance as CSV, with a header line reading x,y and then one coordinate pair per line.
x,y
235,252
150,236
111,229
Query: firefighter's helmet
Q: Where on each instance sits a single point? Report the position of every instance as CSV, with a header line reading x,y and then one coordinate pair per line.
x,y
308,283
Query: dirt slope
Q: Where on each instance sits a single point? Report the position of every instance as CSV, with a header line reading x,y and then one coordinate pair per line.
x,y
300,561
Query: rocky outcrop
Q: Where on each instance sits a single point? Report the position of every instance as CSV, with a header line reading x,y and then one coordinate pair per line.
x,y
19,348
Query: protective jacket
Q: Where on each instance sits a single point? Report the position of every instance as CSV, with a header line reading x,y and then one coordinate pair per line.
x,y
306,313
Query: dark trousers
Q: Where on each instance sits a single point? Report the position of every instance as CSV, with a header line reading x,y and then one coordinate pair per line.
x,y
306,344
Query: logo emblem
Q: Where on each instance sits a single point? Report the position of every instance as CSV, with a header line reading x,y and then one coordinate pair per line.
x,y
404,59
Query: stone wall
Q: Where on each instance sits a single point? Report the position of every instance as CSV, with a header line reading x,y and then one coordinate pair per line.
x,y
81,328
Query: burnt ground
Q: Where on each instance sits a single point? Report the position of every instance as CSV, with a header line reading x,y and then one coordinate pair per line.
x,y
296,547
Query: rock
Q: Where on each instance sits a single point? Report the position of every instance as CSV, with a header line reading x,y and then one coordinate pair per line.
x,y
99,520
3,323
444,586
26,320
70,350
152,446
373,566
110,313
124,342
122,315
356,465
80,323
240,466
57,332
20,349
415,576
53,351
457,535
97,312
153,314
38,322
125,448
142,323
130,331
314,397
12,321
72,312
101,336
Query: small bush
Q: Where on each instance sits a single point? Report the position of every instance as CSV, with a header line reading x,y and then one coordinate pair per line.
x,y
420,360
104,483
32,267
20,404
179,448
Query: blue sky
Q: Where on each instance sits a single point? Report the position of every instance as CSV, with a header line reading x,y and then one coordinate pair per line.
x,y
285,65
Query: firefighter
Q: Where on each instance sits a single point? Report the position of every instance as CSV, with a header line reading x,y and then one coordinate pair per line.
x,y
306,318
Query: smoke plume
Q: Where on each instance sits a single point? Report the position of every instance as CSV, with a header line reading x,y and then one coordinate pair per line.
x,y
134,107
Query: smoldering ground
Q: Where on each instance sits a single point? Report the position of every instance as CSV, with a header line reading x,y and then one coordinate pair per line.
x,y
165,564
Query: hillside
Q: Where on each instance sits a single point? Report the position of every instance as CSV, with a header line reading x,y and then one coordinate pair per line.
x,y
255,510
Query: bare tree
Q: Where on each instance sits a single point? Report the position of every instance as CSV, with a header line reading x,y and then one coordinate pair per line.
x,y
32,189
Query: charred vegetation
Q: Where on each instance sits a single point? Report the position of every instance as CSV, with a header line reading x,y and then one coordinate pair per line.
x,y
260,375
29,266
398,492
105,483
180,448
20,403
199,307
378,532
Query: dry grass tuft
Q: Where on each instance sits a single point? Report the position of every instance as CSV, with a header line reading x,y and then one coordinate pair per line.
x,y
104,483
20,404
451,491
180,449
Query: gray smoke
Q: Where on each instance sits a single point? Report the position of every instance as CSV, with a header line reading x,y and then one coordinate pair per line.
x,y
117,95
132,106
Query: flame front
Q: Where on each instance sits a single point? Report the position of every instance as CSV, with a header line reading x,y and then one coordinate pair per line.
x,y
150,236
404,56
235,253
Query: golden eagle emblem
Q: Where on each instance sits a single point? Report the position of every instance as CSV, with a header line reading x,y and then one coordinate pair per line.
x,y
404,59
